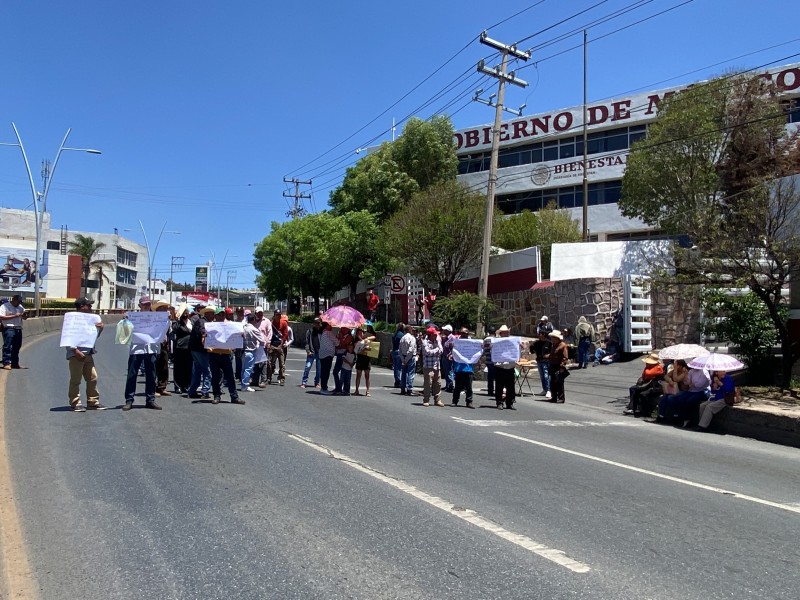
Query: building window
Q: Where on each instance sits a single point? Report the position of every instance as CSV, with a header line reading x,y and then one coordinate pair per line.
x,y
606,192
126,257
54,245
126,276
613,140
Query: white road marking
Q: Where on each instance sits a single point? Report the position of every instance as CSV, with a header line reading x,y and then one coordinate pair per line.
x,y
503,423
787,507
466,514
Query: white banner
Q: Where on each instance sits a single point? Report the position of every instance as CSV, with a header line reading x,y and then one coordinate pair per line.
x,y
505,349
148,327
225,335
79,330
467,351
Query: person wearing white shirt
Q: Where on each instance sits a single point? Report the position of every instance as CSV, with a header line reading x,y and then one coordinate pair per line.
x,y
142,354
408,356
11,316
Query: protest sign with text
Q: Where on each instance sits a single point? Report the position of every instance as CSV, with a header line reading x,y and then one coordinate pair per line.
x,y
148,327
79,330
224,335
505,349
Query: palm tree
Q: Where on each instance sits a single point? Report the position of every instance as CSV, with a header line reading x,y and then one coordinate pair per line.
x,y
86,247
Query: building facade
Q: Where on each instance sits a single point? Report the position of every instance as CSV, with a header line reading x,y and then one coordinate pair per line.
x,y
541,156
116,286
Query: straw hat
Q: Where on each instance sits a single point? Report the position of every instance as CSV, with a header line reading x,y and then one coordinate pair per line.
x,y
503,329
556,334
651,359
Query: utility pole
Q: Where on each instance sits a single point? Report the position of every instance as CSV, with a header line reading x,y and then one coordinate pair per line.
x,y
175,261
503,77
297,210
585,152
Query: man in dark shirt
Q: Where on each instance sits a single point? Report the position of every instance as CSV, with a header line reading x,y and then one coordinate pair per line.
x,y
280,333
541,348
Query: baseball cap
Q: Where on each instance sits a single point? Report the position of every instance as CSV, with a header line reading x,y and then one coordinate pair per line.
x,y
228,310
431,330
83,301
145,300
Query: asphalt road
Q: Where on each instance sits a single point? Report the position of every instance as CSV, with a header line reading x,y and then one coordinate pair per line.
x,y
297,495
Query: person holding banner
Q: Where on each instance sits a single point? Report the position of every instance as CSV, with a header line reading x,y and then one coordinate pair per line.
x,y
144,350
503,356
81,357
463,355
219,361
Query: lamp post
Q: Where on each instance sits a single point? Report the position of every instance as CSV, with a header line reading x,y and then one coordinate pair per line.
x,y
151,258
231,273
175,261
37,196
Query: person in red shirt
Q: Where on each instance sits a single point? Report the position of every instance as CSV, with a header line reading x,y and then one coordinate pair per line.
x,y
648,384
372,304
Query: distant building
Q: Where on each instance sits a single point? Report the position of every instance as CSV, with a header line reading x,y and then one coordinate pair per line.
x,y
541,156
61,273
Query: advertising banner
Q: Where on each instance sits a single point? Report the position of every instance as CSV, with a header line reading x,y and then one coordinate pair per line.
x,y
19,270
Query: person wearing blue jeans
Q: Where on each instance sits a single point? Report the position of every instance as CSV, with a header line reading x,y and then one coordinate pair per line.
x,y
408,357
134,362
12,314
585,333
541,348
345,339
201,375
312,353
397,362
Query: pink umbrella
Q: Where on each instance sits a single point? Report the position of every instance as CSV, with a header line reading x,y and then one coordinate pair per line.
x,y
716,362
343,316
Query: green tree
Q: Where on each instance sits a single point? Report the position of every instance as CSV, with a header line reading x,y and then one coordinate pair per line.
x,y
712,168
439,234
87,248
463,309
544,228
384,181
426,151
744,321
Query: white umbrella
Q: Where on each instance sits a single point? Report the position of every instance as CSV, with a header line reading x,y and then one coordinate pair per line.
x,y
682,352
716,362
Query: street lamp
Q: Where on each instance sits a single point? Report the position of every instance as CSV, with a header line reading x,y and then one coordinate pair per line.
x,y
152,257
231,273
175,261
39,214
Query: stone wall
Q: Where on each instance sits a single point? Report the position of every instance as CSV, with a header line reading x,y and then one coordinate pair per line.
x,y
675,317
563,302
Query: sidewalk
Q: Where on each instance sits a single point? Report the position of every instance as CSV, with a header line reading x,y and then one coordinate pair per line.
x,y
606,388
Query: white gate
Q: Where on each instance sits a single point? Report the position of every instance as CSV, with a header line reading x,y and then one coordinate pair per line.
x,y
637,335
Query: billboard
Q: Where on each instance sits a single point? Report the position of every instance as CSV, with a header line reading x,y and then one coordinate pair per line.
x,y
19,270
201,279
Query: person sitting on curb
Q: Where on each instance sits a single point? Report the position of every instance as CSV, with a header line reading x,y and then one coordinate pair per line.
x,y
648,384
725,394
608,354
680,406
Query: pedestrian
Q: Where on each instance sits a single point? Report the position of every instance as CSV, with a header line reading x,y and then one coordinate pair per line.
x,y
541,348
11,315
289,341
142,354
504,380
162,361
252,340
260,369
397,363
362,360
462,376
280,334
431,367
219,361
312,353
586,334
372,304
201,373
345,339
181,353
408,357
544,326
346,373
419,308
81,365
327,350
559,357
447,358
487,359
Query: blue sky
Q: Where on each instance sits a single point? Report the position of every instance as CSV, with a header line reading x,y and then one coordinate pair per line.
x,y
201,108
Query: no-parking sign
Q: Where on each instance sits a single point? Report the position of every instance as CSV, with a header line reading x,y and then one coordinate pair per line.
x,y
397,284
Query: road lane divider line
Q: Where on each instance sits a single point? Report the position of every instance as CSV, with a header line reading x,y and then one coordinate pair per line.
x,y
470,516
694,484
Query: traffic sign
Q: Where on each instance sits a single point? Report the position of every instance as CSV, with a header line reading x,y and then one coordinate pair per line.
x,y
398,284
